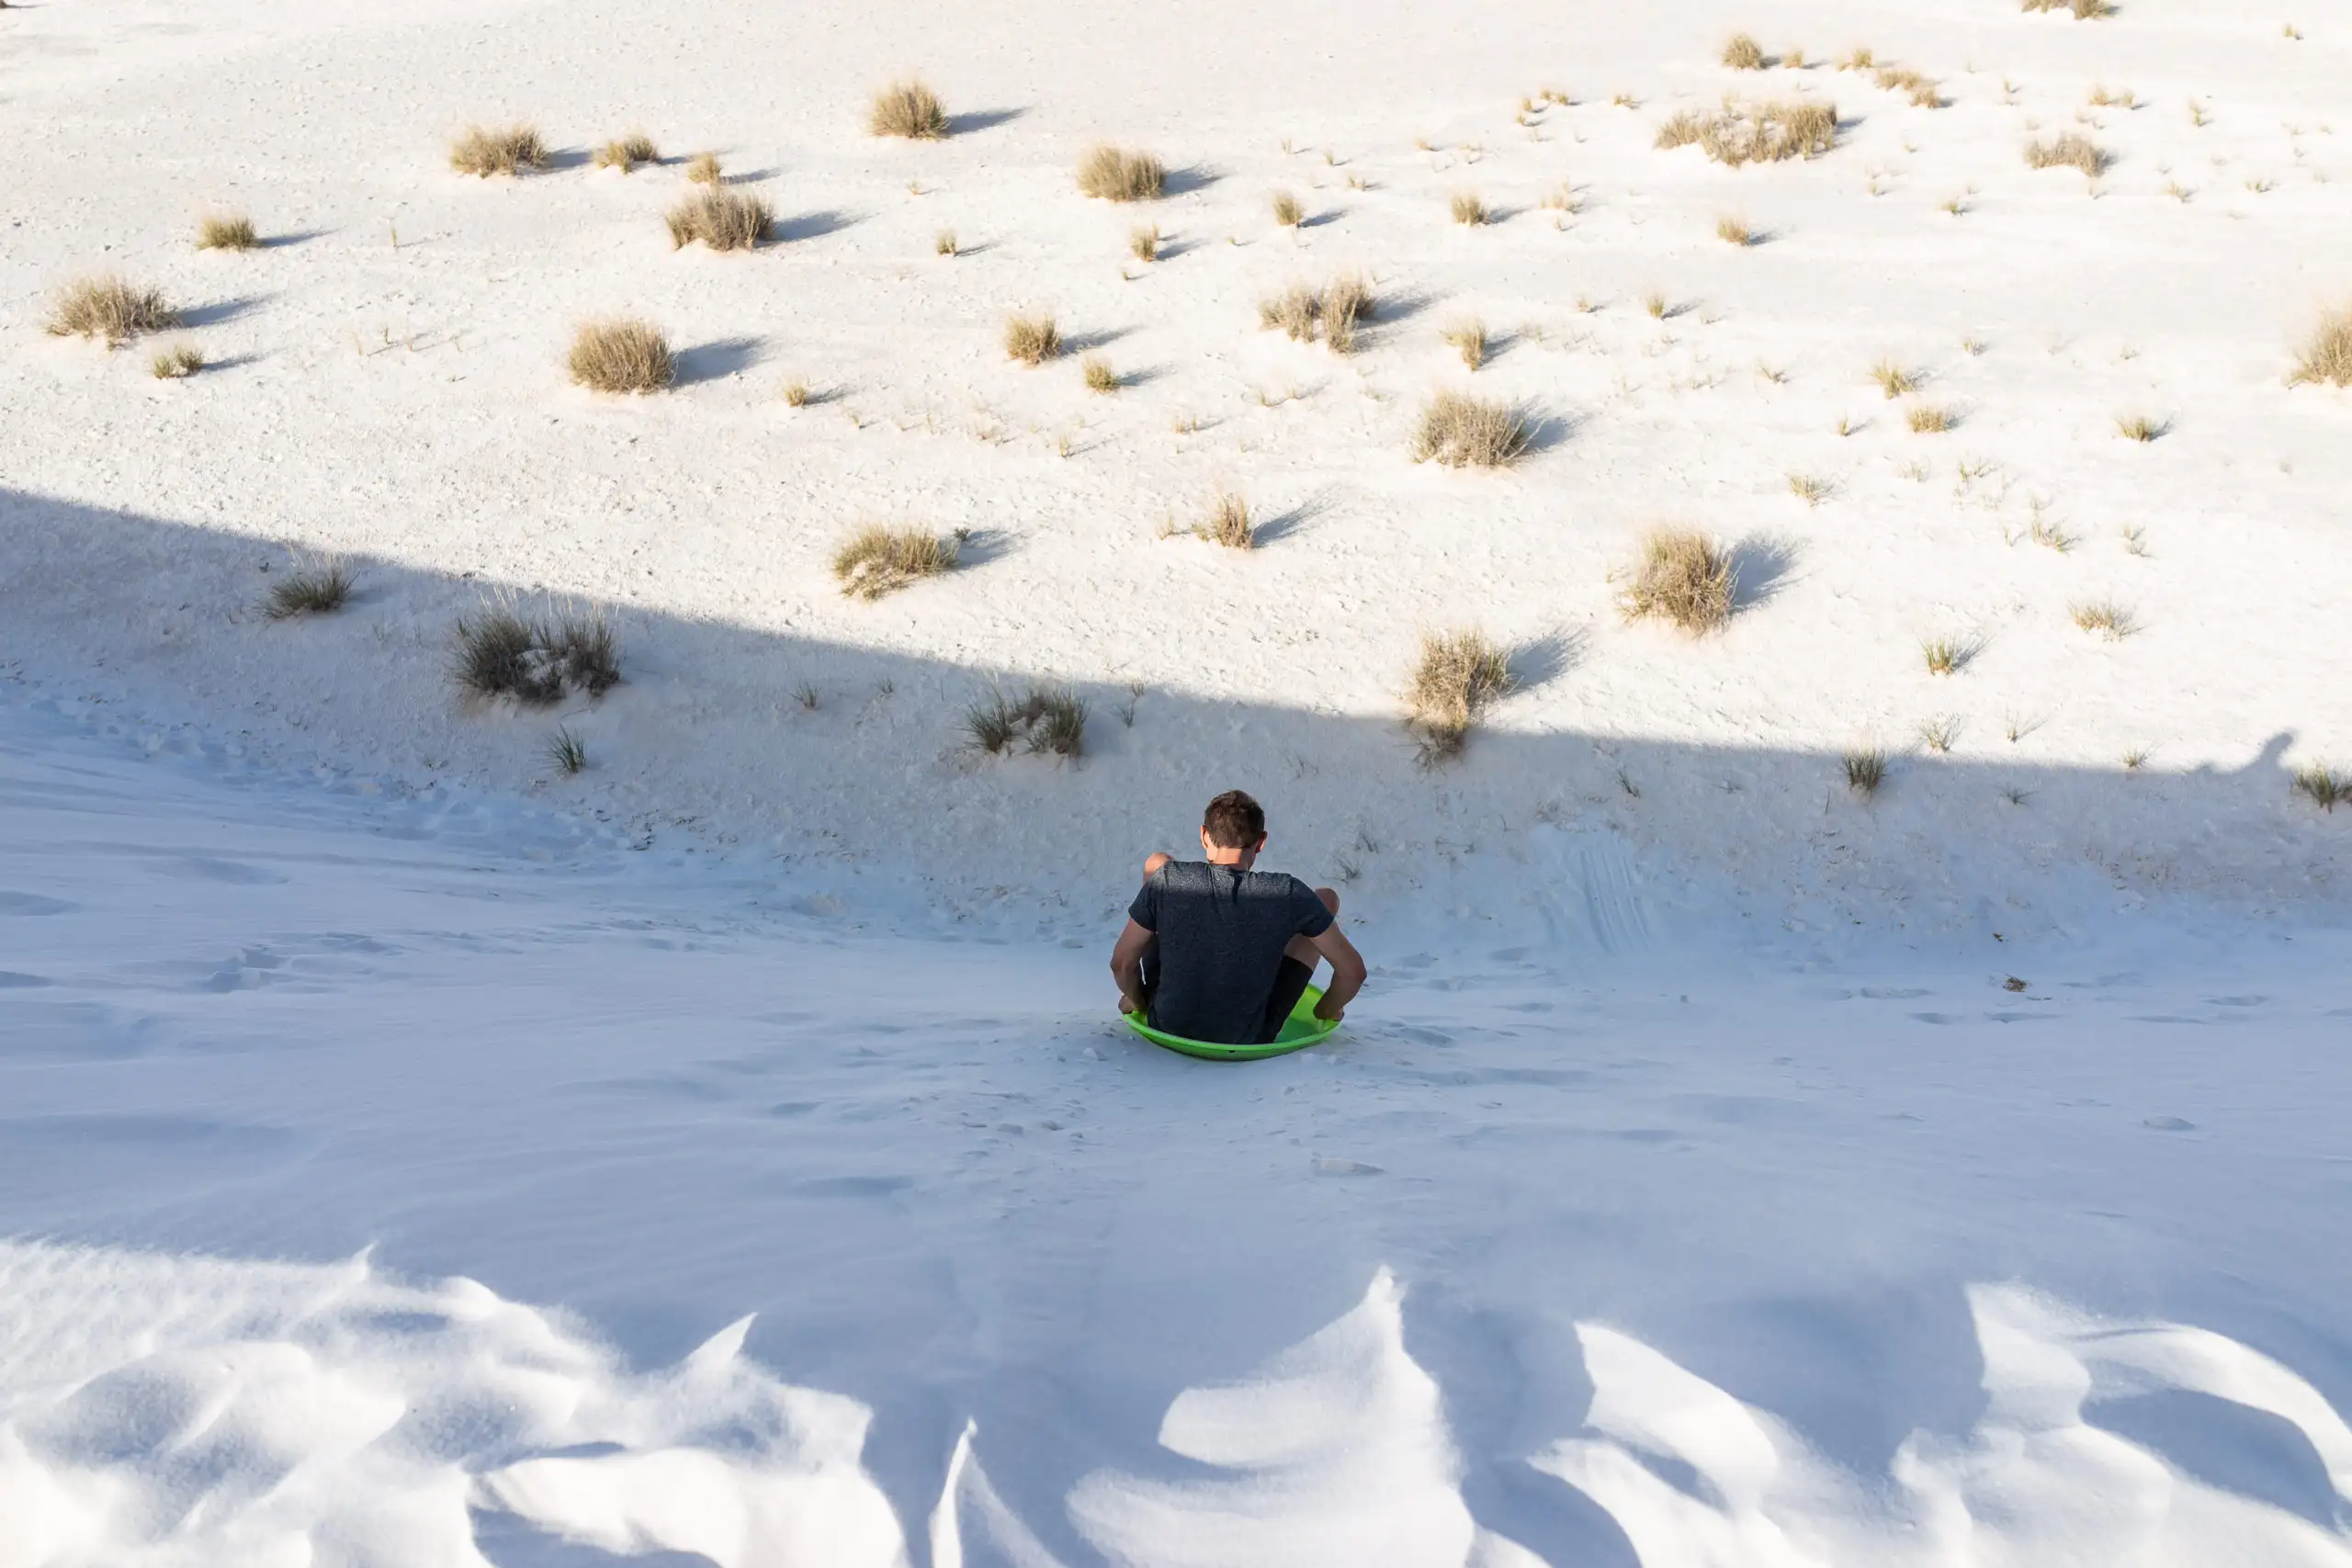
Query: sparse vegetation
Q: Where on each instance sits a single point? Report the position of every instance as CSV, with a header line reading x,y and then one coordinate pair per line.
x,y
722,220
226,231
1459,674
908,109
2327,358
625,153
703,169
2082,10
1894,379
1928,419
2323,785
2071,149
1031,340
1347,301
1806,488
1755,133
1943,656
1920,89
1294,312
1113,173
1042,719
1460,431
311,587
2102,617
485,152
567,753
1143,244
1940,733
621,355
1299,311
1743,53
107,307
1228,522
176,363
879,559
1734,232
796,394
1468,208
2139,427
1656,305
1857,60
501,652
1469,340
1287,211
1684,578
1865,770
944,242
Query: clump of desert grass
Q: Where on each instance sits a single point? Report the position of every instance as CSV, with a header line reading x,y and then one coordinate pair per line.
x,y
1096,372
226,231
534,659
722,220
2323,785
176,363
1115,174
1228,522
943,244
879,559
1464,432
2103,618
1302,313
1031,340
1287,211
509,150
1684,577
1468,208
1458,674
2069,149
1735,232
2082,10
1045,719
1809,489
1928,419
796,394
1468,339
1743,53
1143,243
1894,379
625,153
703,169
315,586
1943,656
2139,427
108,308
566,753
1921,89
2326,360
1865,770
909,109
1755,133
620,355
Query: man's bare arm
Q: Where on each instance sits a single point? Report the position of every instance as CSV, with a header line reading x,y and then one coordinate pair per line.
x,y
1126,966
1347,972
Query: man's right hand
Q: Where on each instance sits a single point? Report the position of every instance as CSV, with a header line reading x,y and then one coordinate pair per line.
x,y
1328,1013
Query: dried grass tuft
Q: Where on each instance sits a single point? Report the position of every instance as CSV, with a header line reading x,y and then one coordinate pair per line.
x,y
2327,358
1469,340
1755,133
1468,208
1347,301
944,242
1735,232
2139,427
1928,419
107,307
1031,340
908,109
1460,431
1115,173
2069,151
2323,785
510,151
1459,674
878,559
621,355
176,363
703,169
502,652
1228,522
2082,10
1042,719
226,231
1682,577
1894,379
1143,244
1098,375
1743,53
315,587
1287,211
722,220
1865,770
2102,617
625,153
1294,312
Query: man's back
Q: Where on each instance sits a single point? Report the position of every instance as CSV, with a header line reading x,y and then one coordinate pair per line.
x,y
1221,932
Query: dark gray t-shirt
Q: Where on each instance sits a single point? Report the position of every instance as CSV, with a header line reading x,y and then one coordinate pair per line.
x,y
1222,932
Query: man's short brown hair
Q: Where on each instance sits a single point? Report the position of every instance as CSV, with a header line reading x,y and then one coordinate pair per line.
x,y
1234,821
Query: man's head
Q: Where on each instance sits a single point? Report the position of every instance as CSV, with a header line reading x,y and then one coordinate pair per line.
x,y
1233,828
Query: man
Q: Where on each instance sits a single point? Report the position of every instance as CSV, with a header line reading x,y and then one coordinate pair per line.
x,y
1216,951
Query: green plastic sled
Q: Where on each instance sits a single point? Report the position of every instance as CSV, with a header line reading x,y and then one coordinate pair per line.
x,y
1300,1030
